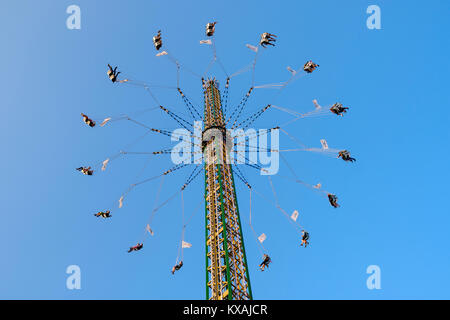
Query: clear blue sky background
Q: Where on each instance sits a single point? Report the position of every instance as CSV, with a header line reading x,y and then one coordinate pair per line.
x,y
394,205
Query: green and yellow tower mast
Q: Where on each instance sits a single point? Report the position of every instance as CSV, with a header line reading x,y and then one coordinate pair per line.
x,y
227,276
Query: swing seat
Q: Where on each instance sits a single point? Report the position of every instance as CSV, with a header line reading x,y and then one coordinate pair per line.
x,y
210,29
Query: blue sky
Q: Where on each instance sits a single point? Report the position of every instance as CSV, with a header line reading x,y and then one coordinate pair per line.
x,y
394,212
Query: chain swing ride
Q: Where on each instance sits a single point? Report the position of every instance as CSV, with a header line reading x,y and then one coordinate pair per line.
x,y
227,273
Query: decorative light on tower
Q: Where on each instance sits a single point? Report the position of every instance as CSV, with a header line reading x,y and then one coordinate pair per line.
x,y
227,276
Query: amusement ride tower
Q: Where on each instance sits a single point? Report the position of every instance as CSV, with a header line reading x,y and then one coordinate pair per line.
x,y
227,276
